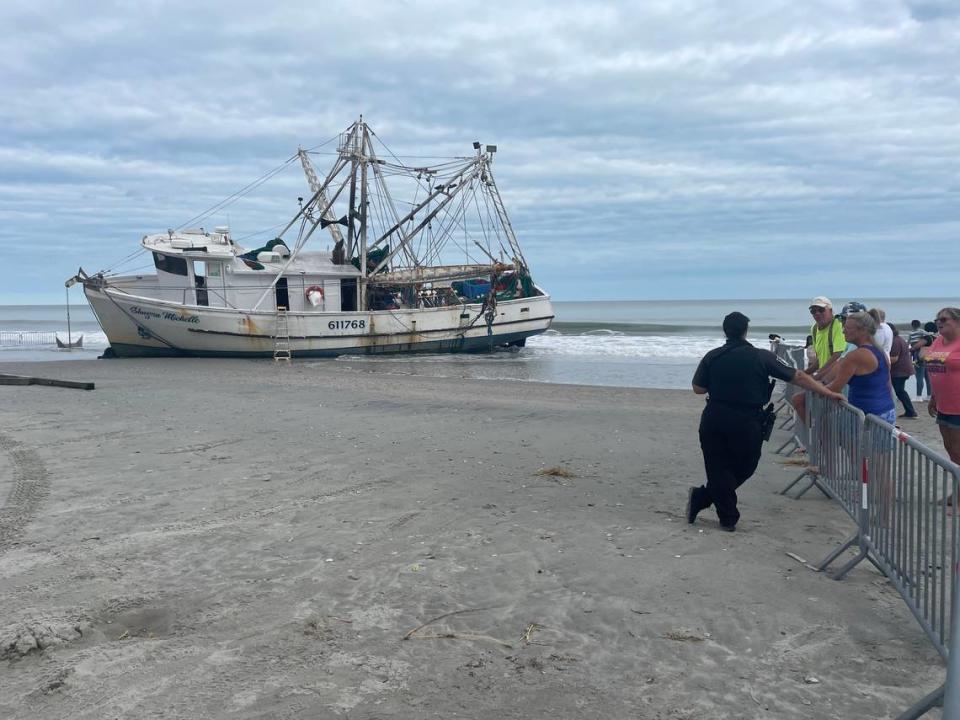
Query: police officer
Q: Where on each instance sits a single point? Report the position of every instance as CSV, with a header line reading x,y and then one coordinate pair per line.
x,y
736,379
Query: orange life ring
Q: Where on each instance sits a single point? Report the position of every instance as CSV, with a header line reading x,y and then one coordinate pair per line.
x,y
313,289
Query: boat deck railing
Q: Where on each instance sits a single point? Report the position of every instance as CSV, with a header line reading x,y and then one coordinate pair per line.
x,y
214,297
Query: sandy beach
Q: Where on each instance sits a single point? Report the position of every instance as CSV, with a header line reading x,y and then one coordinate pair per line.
x,y
234,539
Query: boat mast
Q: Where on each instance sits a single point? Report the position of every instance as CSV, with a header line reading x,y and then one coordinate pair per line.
x,y
364,145
352,250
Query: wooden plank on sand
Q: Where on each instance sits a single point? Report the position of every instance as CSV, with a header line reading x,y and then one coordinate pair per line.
x,y
28,380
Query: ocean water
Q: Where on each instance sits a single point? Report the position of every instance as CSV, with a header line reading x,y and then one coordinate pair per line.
x,y
27,332
640,343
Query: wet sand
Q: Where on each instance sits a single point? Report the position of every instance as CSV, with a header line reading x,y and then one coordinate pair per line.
x,y
231,539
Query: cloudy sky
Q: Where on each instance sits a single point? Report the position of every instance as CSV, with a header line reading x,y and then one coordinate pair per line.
x,y
659,149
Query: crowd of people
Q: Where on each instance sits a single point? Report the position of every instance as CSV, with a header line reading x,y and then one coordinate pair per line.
x,y
874,362
853,356
904,355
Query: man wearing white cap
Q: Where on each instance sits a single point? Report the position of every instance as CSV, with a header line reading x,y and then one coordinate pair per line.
x,y
827,332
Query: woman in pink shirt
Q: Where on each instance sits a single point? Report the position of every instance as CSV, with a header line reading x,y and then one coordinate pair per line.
x,y
943,366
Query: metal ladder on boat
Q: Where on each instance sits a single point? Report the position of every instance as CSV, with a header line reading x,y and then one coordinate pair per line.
x,y
281,336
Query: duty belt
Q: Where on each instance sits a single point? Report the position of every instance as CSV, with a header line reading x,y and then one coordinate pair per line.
x,y
745,407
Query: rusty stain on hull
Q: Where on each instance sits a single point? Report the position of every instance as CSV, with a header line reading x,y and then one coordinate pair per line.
x,y
374,340
247,325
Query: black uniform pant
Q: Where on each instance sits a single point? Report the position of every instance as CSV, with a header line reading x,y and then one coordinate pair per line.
x,y
731,440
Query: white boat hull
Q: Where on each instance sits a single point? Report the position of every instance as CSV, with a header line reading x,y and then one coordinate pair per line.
x,y
145,327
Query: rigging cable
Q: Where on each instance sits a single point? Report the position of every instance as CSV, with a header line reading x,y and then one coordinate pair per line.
x,y
497,222
245,190
119,263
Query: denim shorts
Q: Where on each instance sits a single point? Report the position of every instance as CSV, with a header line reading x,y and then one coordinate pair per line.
x,y
889,417
948,420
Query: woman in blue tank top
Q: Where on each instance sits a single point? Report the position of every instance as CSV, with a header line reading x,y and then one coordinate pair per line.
x,y
866,370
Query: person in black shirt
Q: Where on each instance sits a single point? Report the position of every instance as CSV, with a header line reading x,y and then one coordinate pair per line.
x,y
736,379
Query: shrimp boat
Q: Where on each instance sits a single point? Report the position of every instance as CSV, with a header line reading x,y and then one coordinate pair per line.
x,y
444,274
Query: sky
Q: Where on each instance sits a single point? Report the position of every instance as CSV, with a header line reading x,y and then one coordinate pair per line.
x,y
646,150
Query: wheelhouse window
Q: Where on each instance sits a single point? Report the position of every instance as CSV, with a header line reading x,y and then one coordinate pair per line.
x,y
172,265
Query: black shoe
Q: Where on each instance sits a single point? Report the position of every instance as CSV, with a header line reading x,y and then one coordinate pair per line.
x,y
728,528
691,513
910,417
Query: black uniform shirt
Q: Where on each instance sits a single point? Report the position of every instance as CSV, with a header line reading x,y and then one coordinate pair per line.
x,y
739,374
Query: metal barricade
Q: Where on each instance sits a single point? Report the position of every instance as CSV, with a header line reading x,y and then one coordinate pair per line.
x,y
910,527
905,526
798,357
911,535
835,433
787,354
813,448
836,469
948,694
901,494
795,357
11,338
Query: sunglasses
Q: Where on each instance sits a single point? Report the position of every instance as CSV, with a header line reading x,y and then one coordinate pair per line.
x,y
942,320
817,310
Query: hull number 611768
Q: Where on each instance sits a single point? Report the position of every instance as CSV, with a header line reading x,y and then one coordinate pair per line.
x,y
347,324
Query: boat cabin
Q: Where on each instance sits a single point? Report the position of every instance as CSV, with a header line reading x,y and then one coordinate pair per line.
x,y
196,267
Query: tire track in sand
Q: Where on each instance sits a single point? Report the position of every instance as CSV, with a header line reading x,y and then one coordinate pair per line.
x,y
30,485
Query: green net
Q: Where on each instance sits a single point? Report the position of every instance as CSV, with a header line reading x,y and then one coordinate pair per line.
x,y
374,258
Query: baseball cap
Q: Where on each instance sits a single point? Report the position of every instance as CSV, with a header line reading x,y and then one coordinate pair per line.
x,y
821,301
852,307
